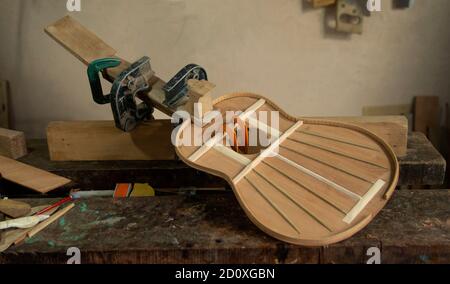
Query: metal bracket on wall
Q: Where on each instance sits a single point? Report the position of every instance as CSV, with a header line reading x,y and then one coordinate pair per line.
x,y
349,16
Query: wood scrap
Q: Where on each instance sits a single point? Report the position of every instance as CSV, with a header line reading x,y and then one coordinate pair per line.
x,y
14,209
30,177
11,237
321,3
50,220
4,113
67,32
12,143
72,141
426,115
23,234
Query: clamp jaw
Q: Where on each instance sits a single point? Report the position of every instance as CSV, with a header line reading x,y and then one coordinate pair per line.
x,y
132,82
177,88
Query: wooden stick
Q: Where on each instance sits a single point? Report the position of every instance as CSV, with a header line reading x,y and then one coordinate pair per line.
x,y
312,133
253,122
319,177
306,188
266,152
50,220
364,201
206,147
252,109
285,193
337,152
232,154
274,206
328,164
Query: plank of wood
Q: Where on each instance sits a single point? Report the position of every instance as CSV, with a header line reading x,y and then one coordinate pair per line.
x,y
12,143
426,114
72,140
392,129
321,3
4,113
404,109
78,40
30,177
13,208
102,141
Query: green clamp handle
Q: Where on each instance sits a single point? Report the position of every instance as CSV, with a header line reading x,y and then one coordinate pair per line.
x,y
94,68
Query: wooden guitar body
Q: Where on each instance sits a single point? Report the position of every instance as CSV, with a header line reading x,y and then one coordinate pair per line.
x,y
316,184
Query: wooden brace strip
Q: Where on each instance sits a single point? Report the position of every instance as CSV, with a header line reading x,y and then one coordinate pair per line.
x,y
214,141
266,152
364,201
321,178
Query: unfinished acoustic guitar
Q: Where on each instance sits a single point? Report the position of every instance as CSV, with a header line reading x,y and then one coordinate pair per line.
x,y
325,181
314,184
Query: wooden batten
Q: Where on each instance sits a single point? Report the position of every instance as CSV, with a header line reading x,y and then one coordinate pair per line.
x,y
364,201
267,152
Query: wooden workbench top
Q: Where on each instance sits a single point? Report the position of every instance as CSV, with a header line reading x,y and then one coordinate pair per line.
x,y
413,228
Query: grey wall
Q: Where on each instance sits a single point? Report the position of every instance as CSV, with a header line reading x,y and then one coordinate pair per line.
x,y
277,48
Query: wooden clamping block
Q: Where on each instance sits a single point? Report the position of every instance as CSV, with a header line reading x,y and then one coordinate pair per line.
x,y
12,143
321,3
199,92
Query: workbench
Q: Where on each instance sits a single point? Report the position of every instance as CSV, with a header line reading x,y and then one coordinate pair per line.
x,y
413,228
212,228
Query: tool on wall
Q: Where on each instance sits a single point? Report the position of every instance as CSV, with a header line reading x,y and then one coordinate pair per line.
x,y
348,15
136,82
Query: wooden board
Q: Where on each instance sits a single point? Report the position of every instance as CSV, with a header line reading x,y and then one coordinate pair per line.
x,y
4,113
78,40
30,177
390,128
12,143
426,115
101,140
319,182
404,109
393,129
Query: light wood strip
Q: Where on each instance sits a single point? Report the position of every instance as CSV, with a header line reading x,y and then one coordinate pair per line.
x,y
337,153
321,178
306,188
364,201
255,123
316,134
267,152
50,220
30,177
274,206
206,147
327,164
252,109
232,154
285,193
